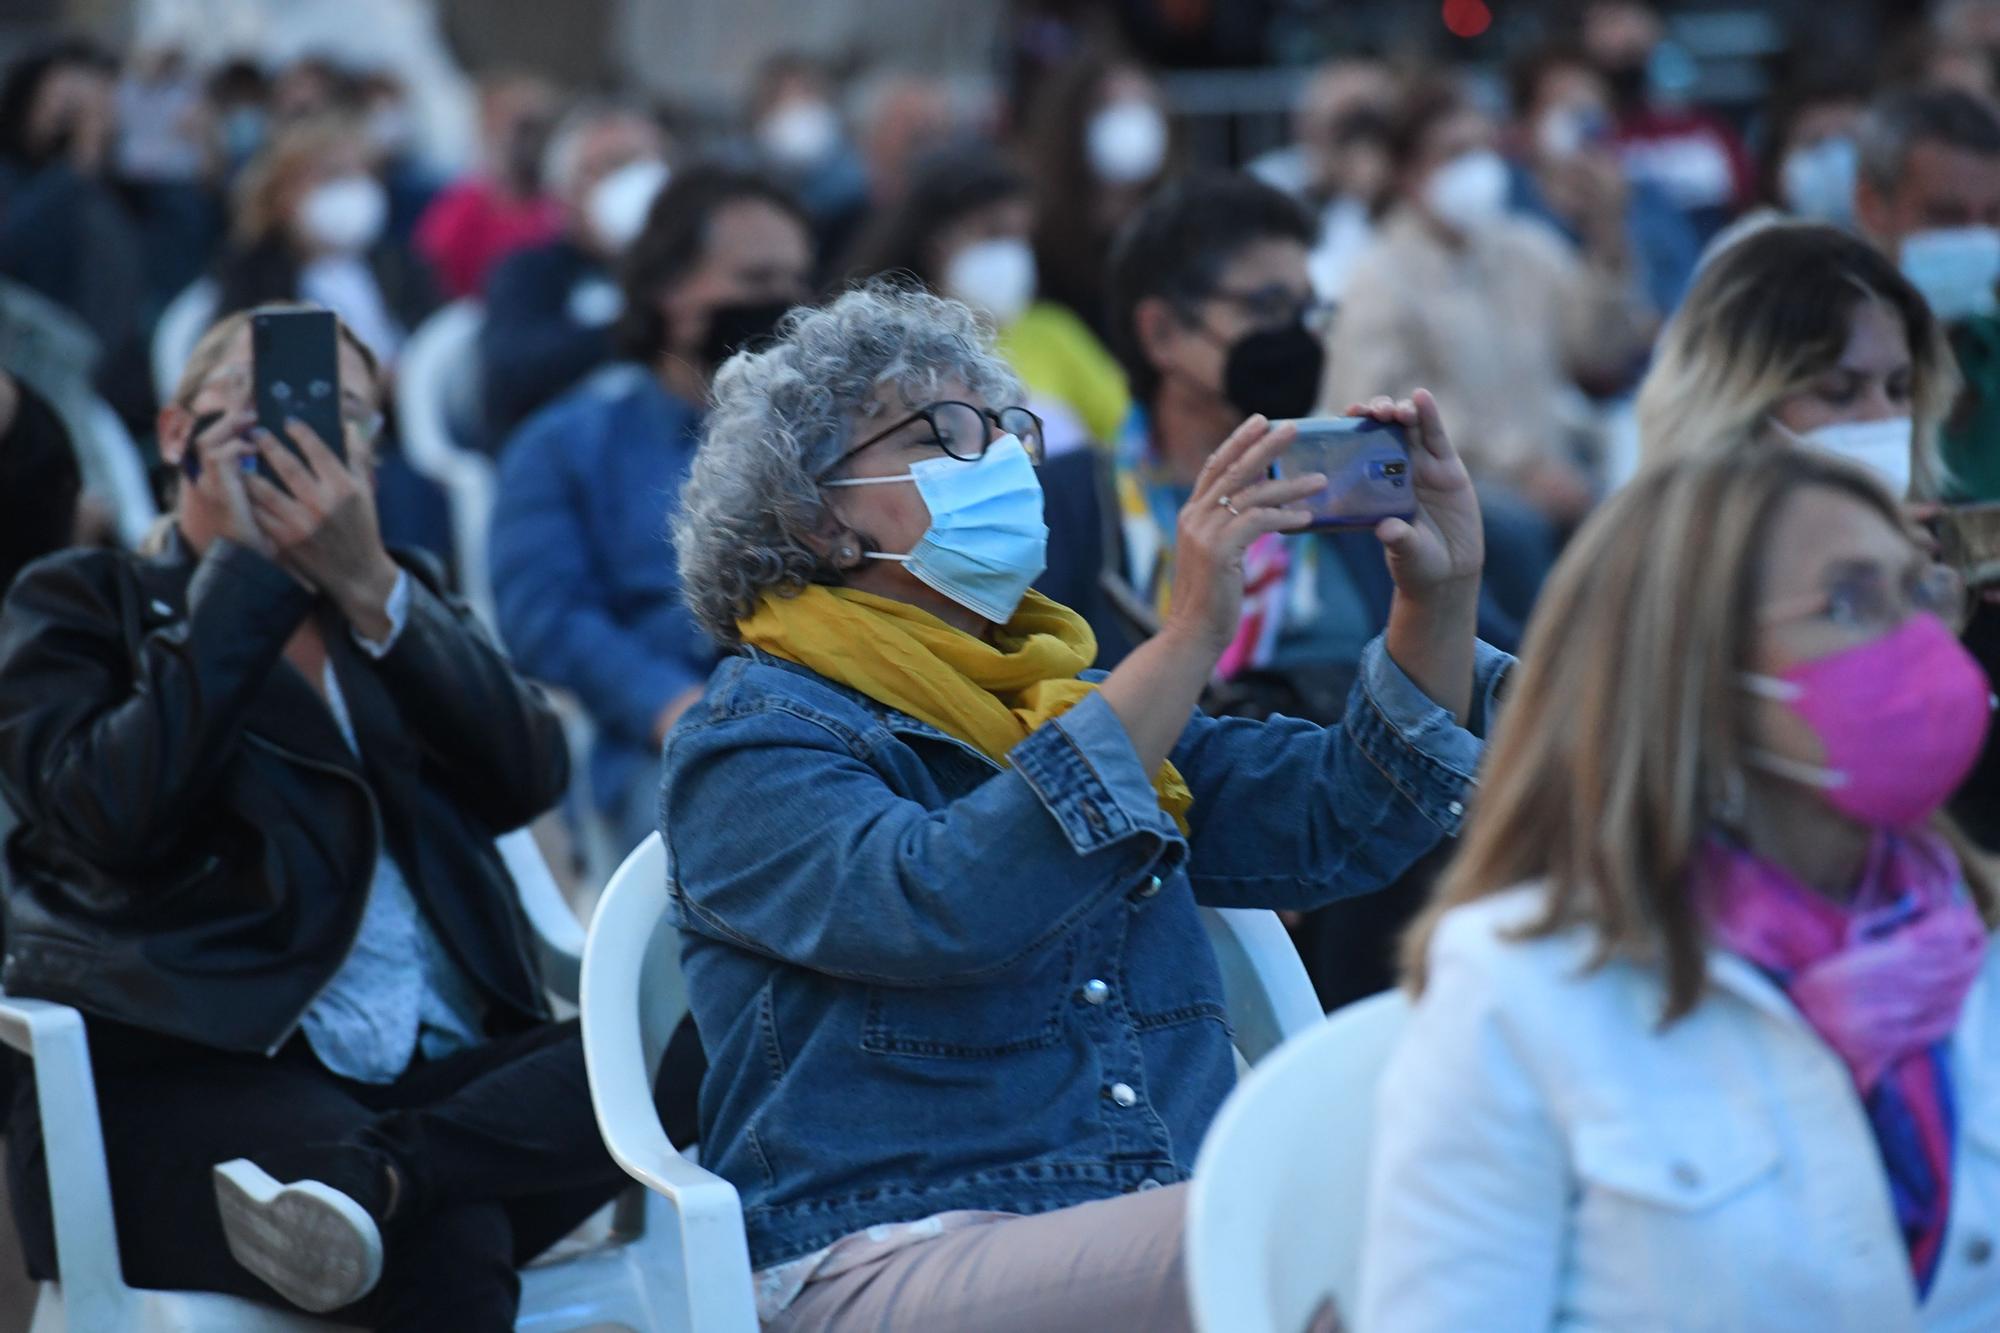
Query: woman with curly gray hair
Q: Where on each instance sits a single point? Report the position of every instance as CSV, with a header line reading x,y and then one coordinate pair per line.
x,y
938,882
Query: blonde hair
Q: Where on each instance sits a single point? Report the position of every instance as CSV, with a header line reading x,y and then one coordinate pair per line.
x,y
1625,731
1769,314
257,201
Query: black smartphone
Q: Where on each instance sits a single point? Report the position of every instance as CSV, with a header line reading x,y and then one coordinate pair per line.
x,y
1367,467
295,367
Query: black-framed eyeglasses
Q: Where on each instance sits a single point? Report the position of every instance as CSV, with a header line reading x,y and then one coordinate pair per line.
x,y
1271,307
963,431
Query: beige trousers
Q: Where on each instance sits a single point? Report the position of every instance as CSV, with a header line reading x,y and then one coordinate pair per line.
x,y
1108,1265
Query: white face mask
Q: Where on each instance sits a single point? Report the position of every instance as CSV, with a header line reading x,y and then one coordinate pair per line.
x,y
618,204
800,132
1127,142
1469,191
344,214
1955,268
996,277
1818,182
1882,448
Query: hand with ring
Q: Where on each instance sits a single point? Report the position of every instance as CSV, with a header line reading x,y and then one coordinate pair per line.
x,y
1235,501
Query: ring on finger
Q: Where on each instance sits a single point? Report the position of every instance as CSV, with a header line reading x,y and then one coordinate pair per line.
x,y
1229,504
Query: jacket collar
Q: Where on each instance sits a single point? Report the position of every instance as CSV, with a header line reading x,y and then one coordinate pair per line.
x,y
288,711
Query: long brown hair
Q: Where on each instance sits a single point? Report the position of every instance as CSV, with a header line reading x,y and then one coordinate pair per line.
x,y
1625,730
260,194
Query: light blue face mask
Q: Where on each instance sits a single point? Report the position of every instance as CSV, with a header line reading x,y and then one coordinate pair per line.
x,y
987,541
1955,268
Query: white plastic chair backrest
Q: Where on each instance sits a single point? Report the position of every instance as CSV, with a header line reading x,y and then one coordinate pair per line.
x,y
180,327
558,933
632,998
120,471
1265,986
435,376
1280,1187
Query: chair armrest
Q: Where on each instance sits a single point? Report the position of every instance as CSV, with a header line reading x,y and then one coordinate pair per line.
x,y
1269,994
52,1035
558,934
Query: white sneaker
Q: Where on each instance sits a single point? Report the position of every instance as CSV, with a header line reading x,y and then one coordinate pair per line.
x,y
309,1242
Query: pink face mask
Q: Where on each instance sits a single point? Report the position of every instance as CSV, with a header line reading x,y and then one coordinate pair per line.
x,y
1902,720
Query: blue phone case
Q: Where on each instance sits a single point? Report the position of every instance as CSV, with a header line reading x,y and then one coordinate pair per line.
x,y
1367,467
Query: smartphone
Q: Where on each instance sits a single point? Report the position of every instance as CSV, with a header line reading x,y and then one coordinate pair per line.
x,y
295,368
1969,540
1367,467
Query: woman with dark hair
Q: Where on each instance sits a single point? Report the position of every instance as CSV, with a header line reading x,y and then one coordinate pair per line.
x,y
581,568
1098,141
963,230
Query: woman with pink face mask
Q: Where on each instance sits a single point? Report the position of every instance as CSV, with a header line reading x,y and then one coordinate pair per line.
x,y
1707,1028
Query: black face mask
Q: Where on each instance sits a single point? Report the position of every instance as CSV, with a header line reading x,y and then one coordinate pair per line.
x,y
745,326
1275,372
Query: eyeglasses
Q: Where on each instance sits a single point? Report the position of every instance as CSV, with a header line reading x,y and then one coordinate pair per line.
x,y
1271,307
1865,597
963,431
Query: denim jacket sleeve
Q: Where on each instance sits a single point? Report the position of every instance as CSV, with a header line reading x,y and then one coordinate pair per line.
x,y
828,867
1289,814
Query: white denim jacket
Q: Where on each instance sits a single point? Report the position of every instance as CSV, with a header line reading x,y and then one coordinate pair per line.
x,y
1550,1159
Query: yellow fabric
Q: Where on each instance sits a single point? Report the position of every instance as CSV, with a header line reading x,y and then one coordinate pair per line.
x,y
989,695
1057,356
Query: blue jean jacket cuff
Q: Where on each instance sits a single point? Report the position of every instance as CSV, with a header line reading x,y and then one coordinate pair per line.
x,y
1083,768
1420,746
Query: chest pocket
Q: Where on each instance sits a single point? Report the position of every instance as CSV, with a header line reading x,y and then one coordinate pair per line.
x,y
1683,1160
1020,1011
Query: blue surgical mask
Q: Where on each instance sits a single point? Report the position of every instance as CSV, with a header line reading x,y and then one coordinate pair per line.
x,y
987,540
1955,268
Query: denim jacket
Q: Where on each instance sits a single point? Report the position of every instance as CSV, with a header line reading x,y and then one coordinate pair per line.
x,y
925,982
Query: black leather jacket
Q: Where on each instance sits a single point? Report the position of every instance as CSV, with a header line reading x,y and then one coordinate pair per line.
x,y
197,841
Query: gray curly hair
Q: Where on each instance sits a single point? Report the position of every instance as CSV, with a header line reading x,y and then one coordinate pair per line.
x,y
781,417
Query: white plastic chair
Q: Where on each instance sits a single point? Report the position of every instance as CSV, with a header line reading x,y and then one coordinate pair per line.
x,y
1280,1186
611,1283
180,327
437,380
633,995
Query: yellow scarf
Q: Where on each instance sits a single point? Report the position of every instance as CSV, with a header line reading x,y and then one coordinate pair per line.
x,y
989,695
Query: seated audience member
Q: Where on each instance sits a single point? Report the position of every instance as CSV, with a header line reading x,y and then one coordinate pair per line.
x,y
41,481
308,225
583,573
259,776
1498,313
1689,153
1802,331
1811,155
550,308
1211,311
1929,196
1704,1035
476,222
1097,143
963,230
64,229
1569,174
1338,162
798,135
982,862
239,114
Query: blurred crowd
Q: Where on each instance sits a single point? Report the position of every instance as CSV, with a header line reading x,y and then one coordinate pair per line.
x,y
1512,236
1580,260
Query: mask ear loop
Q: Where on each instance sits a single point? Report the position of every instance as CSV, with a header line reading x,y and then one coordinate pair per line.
x,y
875,481
1778,765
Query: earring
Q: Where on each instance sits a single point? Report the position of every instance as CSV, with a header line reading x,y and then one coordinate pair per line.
x,y
847,553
